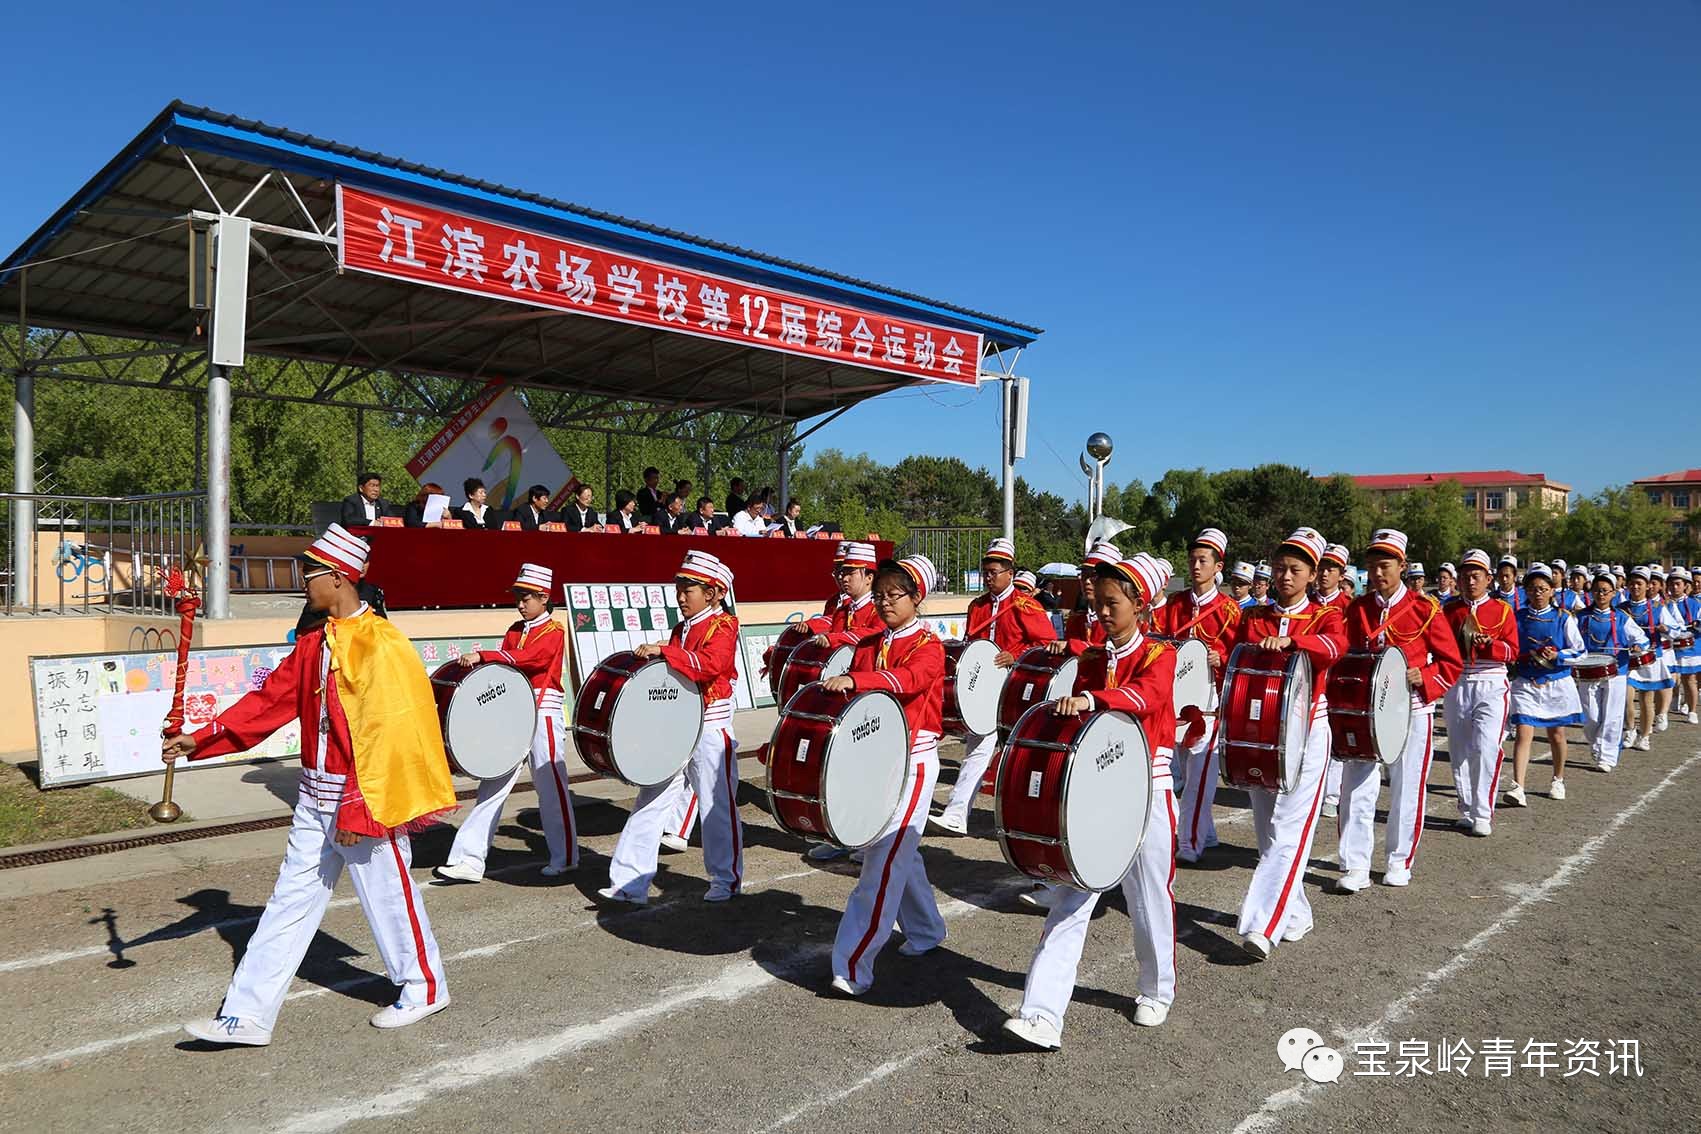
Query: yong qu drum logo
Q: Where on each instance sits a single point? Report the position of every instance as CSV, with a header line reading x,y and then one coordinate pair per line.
x,y
492,693
865,730
663,693
1109,756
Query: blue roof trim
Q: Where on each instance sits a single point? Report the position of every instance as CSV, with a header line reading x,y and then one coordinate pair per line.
x,y
203,130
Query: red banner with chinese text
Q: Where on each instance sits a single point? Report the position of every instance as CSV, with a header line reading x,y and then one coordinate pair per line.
x,y
405,240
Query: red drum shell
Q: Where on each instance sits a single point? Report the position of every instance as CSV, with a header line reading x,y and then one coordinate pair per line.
x,y
790,638
798,789
1250,720
786,773
1642,655
652,748
1353,722
446,682
591,711
1596,671
806,665
1028,683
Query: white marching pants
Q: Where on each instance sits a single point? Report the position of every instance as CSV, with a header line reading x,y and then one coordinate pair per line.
x,y
712,772
1332,783
393,905
1408,788
1275,905
1196,829
893,879
977,754
682,816
1603,717
1476,709
554,802
1149,887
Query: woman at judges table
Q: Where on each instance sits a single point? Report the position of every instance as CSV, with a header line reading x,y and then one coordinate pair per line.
x,y
475,513
625,514
413,516
579,516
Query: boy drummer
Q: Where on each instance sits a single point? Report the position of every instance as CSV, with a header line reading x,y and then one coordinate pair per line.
x,y
703,646
372,769
1017,623
1476,706
908,661
1136,675
1275,908
536,646
1329,591
1394,615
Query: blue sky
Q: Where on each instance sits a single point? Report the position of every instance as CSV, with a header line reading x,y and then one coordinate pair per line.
x,y
1361,237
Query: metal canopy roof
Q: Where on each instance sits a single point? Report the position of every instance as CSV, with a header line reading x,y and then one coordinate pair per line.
x,y
113,261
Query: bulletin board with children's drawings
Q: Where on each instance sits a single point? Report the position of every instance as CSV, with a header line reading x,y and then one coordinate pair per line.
x,y
606,618
98,717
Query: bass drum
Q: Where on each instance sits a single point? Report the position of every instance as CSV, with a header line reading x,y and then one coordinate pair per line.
x,y
1037,677
1265,718
974,683
637,719
1370,706
790,639
810,663
1072,797
837,765
488,713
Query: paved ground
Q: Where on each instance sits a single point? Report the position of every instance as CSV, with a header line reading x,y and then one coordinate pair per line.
x,y
1575,921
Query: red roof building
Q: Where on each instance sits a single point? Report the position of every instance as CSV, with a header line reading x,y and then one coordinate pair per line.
x,y
1679,493
1490,493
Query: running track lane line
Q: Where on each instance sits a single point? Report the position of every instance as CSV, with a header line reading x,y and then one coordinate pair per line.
x,y
734,982
96,1047
1269,1114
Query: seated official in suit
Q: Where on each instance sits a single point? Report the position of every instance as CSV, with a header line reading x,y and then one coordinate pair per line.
x,y
413,516
475,513
792,522
579,515
703,521
367,505
625,514
651,499
535,511
671,517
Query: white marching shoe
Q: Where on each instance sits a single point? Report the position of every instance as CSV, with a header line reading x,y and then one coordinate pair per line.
x,y
1660,723
1514,796
1256,946
459,872
1645,743
1694,717
1481,829
401,1015
947,824
845,988
553,871
719,892
229,1030
1556,790
1352,882
1041,897
1035,1032
825,852
615,894
673,844
1149,1013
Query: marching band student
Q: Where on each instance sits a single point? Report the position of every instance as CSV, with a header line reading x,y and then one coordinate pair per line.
x,y
1275,908
1016,622
536,646
1415,578
1669,621
372,769
1082,628
1622,595
1606,629
1506,577
1240,585
1446,583
1210,616
703,647
1687,609
1393,614
1136,675
1646,680
1575,596
1027,582
1477,706
1261,584
1543,694
1332,591
908,661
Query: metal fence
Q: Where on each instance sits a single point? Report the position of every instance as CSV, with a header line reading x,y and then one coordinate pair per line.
x,y
956,553
89,554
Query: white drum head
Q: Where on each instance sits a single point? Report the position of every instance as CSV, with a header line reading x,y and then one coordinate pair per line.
x,y
657,717
1390,705
490,721
1193,684
1063,681
980,686
1107,799
862,777
838,662
1296,725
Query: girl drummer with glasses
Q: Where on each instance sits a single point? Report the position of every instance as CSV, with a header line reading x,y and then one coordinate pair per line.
x,y
908,661
1136,675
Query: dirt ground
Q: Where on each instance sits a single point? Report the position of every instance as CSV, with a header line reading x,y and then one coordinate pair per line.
x,y
1572,926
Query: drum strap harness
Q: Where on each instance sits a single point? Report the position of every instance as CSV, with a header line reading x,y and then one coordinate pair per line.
x,y
885,643
1612,631
1386,626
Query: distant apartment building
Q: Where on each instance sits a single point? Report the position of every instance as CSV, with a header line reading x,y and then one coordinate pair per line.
x,y
1490,494
1679,493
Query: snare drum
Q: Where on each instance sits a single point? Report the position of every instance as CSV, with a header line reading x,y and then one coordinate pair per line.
x,y
974,684
837,765
790,639
1038,676
809,663
1072,797
488,713
1265,718
1643,655
1594,667
1370,706
637,720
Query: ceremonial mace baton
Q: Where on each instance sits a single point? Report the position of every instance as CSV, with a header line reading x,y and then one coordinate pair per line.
x,y
188,602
